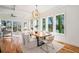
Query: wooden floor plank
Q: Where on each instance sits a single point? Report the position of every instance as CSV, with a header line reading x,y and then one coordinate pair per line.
x,y
68,48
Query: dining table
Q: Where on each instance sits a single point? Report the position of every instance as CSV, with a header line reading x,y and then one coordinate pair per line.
x,y
40,36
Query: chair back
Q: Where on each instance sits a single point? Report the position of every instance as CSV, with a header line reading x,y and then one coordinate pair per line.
x,y
50,39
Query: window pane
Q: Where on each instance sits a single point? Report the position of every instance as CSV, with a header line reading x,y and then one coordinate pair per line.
x,y
18,26
50,24
31,24
60,23
3,22
36,24
9,25
25,24
44,24
14,26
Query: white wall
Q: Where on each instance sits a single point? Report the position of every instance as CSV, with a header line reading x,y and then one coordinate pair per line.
x,y
72,25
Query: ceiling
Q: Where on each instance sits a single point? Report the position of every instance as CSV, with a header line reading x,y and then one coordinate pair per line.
x,y
23,10
30,8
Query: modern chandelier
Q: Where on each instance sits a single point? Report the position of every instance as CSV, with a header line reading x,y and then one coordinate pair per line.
x,y
35,13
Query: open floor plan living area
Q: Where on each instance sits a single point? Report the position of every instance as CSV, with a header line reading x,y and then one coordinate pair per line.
x,y
39,29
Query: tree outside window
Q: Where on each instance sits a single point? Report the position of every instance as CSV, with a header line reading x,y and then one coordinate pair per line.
x,y
60,23
50,24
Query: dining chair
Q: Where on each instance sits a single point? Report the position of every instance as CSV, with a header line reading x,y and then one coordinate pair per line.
x,y
26,38
32,40
48,42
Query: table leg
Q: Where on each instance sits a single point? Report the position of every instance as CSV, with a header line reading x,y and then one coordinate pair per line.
x,y
37,41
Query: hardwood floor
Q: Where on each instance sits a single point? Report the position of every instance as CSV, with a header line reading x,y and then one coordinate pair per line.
x,y
68,48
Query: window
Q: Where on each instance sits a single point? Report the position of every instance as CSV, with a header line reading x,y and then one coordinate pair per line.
x,y
0,25
44,24
6,24
9,25
25,24
3,23
50,24
16,26
60,23
31,24
36,26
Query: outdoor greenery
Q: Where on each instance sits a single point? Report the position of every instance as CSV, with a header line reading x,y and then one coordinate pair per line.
x,y
60,23
50,24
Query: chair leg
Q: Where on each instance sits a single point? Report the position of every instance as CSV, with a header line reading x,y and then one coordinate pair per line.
x,y
47,48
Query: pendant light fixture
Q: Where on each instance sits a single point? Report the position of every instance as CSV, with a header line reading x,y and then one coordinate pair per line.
x,y
35,13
